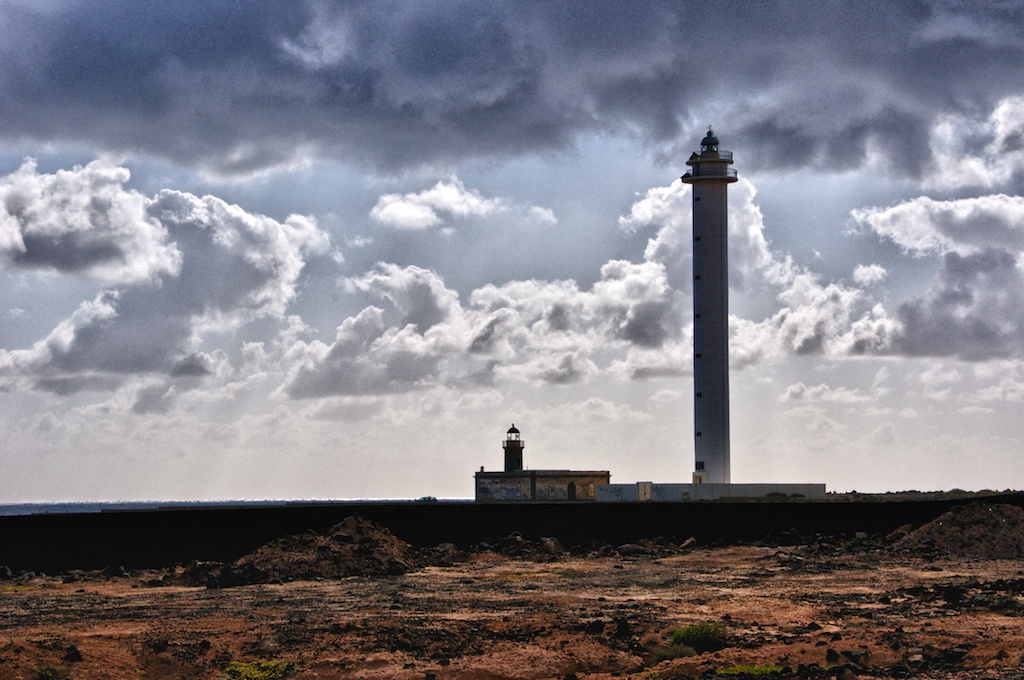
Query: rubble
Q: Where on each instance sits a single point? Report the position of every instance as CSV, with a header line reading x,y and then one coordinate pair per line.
x,y
354,547
980,530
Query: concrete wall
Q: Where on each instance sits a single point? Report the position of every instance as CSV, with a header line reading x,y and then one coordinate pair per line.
x,y
160,538
677,493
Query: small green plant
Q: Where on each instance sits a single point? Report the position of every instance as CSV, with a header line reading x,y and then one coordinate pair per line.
x,y
708,636
673,651
49,672
261,669
749,670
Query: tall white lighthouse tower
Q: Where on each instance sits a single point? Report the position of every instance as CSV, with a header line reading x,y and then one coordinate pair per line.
x,y
710,177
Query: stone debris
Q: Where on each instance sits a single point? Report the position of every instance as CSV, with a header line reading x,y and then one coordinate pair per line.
x,y
980,530
354,547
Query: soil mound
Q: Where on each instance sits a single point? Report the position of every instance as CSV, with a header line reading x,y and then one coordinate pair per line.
x,y
977,530
354,547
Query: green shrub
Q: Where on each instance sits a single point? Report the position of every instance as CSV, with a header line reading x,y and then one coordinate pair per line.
x,y
51,673
749,670
702,637
261,669
673,651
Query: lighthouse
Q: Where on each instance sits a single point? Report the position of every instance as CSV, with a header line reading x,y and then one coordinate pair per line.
x,y
513,446
710,176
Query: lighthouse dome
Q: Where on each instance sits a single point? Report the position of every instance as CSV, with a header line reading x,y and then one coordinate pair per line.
x,y
710,142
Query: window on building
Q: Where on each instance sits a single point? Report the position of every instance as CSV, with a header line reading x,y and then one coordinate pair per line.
x,y
591,490
700,465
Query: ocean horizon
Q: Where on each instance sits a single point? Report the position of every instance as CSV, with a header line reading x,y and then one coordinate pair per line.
x,y
85,507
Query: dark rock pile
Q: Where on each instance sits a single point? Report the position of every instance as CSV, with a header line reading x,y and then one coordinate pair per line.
x,y
980,530
550,548
515,545
354,547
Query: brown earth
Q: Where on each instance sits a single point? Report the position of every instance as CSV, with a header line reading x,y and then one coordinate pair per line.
x,y
359,603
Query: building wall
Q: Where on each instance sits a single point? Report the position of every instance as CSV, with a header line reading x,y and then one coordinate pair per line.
x,y
506,488
539,485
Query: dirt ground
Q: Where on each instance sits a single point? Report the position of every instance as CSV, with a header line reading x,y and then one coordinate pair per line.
x,y
823,610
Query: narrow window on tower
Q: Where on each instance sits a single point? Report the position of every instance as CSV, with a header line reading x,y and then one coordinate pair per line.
x,y
696,434
696,198
697,355
696,316
700,465
697,277
696,238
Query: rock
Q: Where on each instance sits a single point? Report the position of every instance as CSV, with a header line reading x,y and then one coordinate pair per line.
x,y
956,655
72,655
860,535
631,549
856,656
159,645
5,573
551,545
691,542
899,671
831,655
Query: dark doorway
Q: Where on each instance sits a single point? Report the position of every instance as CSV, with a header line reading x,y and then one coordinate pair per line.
x,y
572,491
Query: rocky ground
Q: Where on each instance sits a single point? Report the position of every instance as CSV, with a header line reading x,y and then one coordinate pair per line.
x,y
944,600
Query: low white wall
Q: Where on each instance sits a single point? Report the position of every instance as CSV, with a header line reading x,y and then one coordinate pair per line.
x,y
677,493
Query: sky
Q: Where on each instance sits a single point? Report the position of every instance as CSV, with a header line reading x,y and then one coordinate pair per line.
x,y
335,250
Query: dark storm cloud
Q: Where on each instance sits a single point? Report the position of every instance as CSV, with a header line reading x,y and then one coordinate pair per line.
x,y
972,309
972,312
240,87
193,365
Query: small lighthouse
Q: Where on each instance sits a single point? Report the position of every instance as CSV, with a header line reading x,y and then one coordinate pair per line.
x,y
710,177
513,446
515,484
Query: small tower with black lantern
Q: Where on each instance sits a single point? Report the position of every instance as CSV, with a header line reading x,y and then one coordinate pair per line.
x,y
513,446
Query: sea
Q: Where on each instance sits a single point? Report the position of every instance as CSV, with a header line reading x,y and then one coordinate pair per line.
x,y
9,509
13,509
